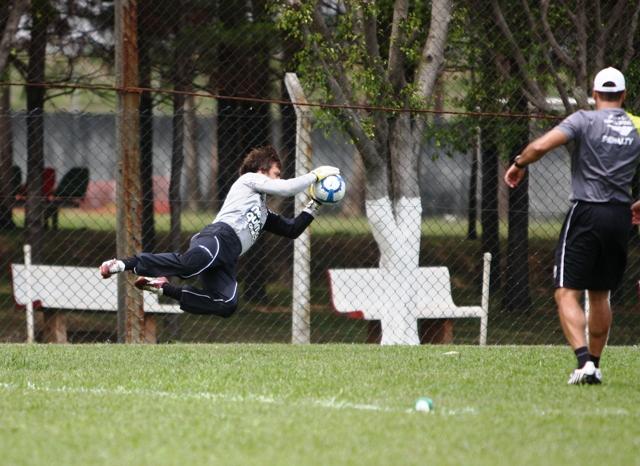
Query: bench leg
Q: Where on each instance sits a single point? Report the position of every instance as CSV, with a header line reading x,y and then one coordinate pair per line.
x,y
399,330
430,331
55,327
435,331
150,329
374,331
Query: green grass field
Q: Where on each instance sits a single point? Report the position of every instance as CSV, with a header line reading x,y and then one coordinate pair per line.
x,y
319,404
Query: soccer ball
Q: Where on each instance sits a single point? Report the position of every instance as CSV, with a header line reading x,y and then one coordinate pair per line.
x,y
329,190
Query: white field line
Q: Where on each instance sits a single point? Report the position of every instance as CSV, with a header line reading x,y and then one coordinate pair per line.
x,y
330,403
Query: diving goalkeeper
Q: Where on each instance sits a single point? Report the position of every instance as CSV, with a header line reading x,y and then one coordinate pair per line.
x,y
213,252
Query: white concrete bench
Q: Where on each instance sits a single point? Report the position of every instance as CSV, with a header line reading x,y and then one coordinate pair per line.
x,y
57,289
399,298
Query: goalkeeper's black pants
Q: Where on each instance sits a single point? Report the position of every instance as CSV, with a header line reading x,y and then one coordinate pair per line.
x,y
212,256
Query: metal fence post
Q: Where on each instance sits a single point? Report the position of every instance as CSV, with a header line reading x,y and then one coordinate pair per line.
x,y
301,305
29,310
128,189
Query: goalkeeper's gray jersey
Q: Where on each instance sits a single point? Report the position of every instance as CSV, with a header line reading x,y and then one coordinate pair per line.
x,y
245,207
605,156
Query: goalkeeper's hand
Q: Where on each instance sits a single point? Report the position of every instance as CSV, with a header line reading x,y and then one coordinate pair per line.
x,y
325,170
312,207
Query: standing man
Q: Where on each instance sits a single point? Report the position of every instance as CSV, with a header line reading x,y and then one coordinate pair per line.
x,y
592,250
213,252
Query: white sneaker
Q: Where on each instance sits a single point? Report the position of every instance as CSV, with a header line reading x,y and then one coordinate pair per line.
x,y
582,376
111,267
151,284
596,378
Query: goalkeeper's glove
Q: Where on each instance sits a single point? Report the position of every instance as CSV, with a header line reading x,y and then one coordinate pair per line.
x,y
312,207
325,170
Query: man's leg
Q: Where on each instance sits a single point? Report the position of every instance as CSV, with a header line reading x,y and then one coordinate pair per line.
x,y
572,317
192,262
573,322
600,318
200,256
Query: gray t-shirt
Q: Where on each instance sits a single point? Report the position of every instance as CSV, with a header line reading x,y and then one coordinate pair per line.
x,y
605,156
245,207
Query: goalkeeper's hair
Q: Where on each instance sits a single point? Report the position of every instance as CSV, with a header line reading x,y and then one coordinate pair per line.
x,y
260,159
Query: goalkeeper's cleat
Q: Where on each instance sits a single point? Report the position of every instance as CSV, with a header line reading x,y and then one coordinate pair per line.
x,y
111,267
596,378
153,285
583,375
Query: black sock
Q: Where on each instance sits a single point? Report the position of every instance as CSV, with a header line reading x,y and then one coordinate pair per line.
x,y
595,360
582,354
172,291
130,262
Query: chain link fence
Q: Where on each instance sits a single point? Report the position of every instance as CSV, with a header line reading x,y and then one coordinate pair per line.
x,y
422,107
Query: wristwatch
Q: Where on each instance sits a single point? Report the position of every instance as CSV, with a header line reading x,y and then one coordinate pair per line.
x,y
519,165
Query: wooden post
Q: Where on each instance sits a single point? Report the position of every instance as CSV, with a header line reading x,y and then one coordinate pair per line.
x,y
55,327
150,328
128,188
301,305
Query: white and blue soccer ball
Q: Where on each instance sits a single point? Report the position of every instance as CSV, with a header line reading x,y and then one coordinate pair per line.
x,y
329,190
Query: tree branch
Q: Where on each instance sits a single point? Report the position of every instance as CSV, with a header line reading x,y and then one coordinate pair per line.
x,y
397,40
433,52
560,53
10,28
629,52
600,36
562,90
340,90
516,53
582,39
614,17
370,33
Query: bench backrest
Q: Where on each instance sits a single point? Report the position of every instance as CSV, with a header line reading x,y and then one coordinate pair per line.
x,y
70,287
375,291
73,184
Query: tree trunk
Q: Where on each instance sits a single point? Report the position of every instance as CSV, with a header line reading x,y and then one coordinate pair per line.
x,y
192,171
17,9
7,181
35,127
177,159
181,82
517,296
489,202
146,134
213,195
353,203
472,210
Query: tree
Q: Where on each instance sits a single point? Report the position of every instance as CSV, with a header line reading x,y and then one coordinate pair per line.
x,y
352,68
543,49
148,28
41,16
569,43
50,27
7,180
10,14
352,61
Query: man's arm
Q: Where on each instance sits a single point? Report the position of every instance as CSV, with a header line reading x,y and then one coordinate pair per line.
x,y
285,188
291,227
532,153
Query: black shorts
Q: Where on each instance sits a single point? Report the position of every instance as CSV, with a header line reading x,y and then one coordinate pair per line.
x,y
592,250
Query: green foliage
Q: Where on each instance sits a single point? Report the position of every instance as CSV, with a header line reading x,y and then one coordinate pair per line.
x,y
346,49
